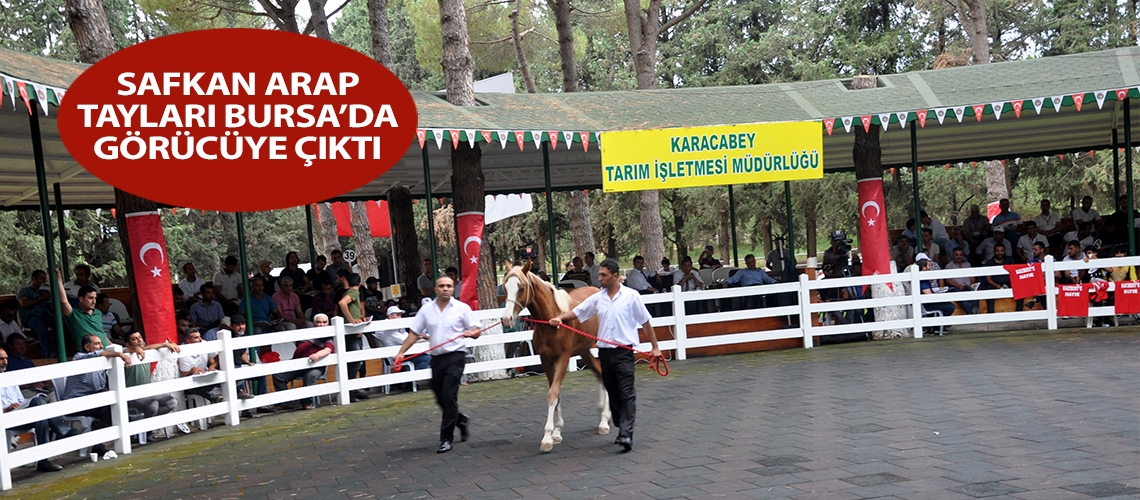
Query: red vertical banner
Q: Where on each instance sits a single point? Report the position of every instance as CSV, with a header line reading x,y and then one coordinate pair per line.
x,y
874,241
1073,301
152,276
470,227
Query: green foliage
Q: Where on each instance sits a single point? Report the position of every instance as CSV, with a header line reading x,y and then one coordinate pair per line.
x,y
352,30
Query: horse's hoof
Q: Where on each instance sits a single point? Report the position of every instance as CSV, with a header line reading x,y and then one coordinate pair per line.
x,y
603,430
546,446
557,439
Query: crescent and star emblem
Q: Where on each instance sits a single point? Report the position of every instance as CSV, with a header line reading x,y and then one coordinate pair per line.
x,y
863,211
156,272
479,242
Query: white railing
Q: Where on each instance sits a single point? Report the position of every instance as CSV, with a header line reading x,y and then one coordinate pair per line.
x,y
804,309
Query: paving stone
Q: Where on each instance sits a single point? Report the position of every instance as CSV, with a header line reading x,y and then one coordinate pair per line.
x,y
988,489
1105,489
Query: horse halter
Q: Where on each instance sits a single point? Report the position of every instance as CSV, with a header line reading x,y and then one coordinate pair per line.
x,y
530,294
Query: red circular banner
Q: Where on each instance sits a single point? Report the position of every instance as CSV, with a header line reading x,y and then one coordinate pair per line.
x,y
237,120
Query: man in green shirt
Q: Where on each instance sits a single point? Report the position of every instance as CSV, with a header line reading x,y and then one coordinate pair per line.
x,y
352,309
84,319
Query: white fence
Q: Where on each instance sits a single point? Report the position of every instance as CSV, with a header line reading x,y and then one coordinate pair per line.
x,y
121,428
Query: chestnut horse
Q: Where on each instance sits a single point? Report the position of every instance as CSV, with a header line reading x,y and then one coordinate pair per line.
x,y
555,346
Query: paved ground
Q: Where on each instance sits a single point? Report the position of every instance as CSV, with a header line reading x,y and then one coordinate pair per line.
x,y
1033,415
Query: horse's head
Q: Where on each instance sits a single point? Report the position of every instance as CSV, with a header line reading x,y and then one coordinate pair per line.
x,y
520,291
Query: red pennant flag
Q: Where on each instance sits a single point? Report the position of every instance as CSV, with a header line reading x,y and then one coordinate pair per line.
x,y
114,216
470,228
487,136
519,135
421,134
922,117
1127,297
979,109
585,136
1017,107
892,172
553,140
1079,99
1061,156
947,166
24,94
1092,153
975,164
920,169
1121,94
1026,280
829,123
454,139
866,123
1073,301
152,276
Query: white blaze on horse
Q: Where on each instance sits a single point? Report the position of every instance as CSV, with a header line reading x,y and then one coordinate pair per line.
x,y
555,346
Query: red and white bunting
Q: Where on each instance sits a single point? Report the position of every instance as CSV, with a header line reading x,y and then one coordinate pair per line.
x,y
902,115
979,110
12,91
536,135
941,114
1057,99
24,94
1078,99
828,124
866,123
569,137
454,139
486,136
1037,103
1017,107
438,134
1121,94
960,112
470,138
884,120
1100,95
421,134
553,139
585,136
922,117
503,136
519,138
847,123
997,107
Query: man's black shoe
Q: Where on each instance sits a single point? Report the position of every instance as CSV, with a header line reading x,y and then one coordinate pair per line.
x,y
266,409
362,395
353,398
45,465
626,443
463,432
444,447
99,449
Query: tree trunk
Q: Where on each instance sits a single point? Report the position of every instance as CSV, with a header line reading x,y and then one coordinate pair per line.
x,y
328,228
977,29
318,233
404,233
458,65
580,230
520,56
561,10
378,21
362,240
997,187
319,20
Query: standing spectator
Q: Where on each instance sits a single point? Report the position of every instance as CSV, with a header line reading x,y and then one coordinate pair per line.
x,y
591,267
83,319
1086,213
191,284
82,279
265,267
353,311
976,227
424,281
34,311
292,270
338,264
227,285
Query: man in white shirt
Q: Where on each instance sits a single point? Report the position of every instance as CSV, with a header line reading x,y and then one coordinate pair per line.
x,y
592,267
687,277
941,235
191,284
1085,213
1031,236
388,338
82,279
447,324
986,247
1082,235
638,277
620,314
8,324
227,285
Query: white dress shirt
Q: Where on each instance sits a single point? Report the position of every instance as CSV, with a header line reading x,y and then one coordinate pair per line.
x,y
439,326
619,318
637,279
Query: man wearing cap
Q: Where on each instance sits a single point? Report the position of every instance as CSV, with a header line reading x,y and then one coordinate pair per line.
x,y
706,260
315,350
388,338
985,249
441,321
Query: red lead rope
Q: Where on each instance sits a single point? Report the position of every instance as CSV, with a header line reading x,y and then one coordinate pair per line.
x,y
397,366
661,369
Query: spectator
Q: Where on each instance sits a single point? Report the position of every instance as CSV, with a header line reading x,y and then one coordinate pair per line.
x,y
1118,224
687,277
181,307
578,273
706,259
83,319
929,247
1073,254
1123,273
425,282
35,313
351,309
227,285
986,248
191,284
638,277
999,281
139,374
315,350
207,313
1049,224
82,279
198,364
325,302
237,328
338,264
453,273
910,233
1031,236
963,284
927,287
292,270
902,254
11,399
290,305
265,267
750,276
8,324
317,275
1009,220
266,316
1083,235
89,383
976,227
18,357
389,338
591,267
957,240
111,328
941,236
1086,213
372,297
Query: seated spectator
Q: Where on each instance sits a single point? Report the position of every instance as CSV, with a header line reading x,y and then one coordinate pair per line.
x,y
964,284
1086,213
89,383
929,247
191,284
264,268
664,275
207,313
290,305
82,279
182,323
911,232
315,350
8,324
83,319
292,270
111,321
579,272
927,287
638,277
1073,254
453,273
317,276
18,358
237,328
1008,220
326,301
686,277
750,276
181,307
957,240
373,298
1031,236
266,316
139,374
1118,224
999,281
902,254
389,338
1083,235
11,399
976,227
1049,224
35,311
198,364
227,285
941,236
1122,273
706,259
986,248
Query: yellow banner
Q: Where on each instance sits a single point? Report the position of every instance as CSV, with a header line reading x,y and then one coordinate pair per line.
x,y
639,160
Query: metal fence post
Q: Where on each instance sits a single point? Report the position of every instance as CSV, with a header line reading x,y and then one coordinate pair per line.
x,y
916,306
1050,291
229,389
805,314
341,364
680,332
117,384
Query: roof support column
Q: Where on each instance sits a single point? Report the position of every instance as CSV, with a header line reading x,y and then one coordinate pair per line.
x,y
1115,167
914,177
309,228
244,270
430,216
550,216
1128,174
732,223
62,230
788,211
49,246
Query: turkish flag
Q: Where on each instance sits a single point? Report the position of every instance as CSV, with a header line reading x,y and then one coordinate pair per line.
x,y
152,276
1127,297
378,222
1073,301
470,228
874,241
1026,280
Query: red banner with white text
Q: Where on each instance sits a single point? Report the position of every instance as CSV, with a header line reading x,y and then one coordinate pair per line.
x,y
1073,301
152,276
470,228
1027,280
874,240
1127,297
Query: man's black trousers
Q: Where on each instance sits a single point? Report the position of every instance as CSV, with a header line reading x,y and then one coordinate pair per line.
x,y
617,376
446,370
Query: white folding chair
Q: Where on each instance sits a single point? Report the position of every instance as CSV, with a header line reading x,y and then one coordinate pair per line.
x,y
407,365
85,422
935,314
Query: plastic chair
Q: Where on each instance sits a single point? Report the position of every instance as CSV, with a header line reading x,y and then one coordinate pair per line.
x,y
85,422
194,401
706,276
407,365
722,274
936,314
15,434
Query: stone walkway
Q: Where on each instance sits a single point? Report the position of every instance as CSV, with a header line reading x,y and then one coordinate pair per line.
x,y
1030,415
